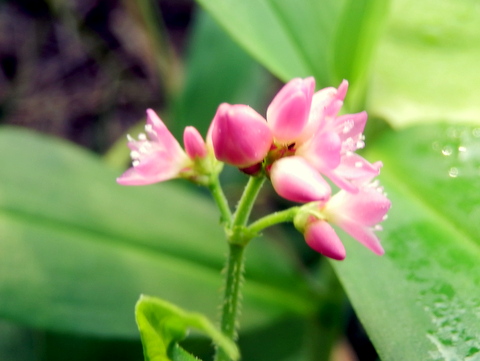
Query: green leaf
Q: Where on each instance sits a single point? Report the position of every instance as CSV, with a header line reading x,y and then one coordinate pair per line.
x,y
162,325
76,249
356,36
427,64
420,300
291,38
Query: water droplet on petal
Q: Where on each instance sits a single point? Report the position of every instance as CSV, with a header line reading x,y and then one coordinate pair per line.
x,y
358,164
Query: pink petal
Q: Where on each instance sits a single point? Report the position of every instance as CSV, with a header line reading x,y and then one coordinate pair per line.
x,y
323,151
333,107
240,136
364,235
351,167
350,125
159,133
321,237
288,113
367,207
294,179
194,144
156,168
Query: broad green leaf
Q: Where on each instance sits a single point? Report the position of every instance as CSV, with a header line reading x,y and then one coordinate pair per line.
x,y
76,249
426,67
356,36
421,300
217,70
291,38
162,325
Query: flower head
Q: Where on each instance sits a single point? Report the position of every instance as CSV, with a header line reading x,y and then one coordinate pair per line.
x,y
157,156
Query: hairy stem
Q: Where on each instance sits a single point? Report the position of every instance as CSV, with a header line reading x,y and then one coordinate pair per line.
x,y
231,300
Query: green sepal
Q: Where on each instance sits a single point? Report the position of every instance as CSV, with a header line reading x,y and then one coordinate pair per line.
x,y
162,325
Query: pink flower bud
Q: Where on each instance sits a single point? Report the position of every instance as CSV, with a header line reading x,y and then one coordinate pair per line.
x,y
194,144
294,179
321,237
240,136
288,112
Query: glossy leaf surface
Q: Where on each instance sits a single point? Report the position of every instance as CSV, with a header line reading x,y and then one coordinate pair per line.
x,y
423,293
291,38
426,67
76,249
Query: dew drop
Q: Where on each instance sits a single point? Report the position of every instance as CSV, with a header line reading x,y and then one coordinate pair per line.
x,y
476,132
453,172
358,164
462,148
447,150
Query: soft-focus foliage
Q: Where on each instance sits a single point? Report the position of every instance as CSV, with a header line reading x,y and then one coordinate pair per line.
x,y
76,250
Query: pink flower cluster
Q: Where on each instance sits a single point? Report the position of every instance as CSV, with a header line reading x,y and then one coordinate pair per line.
x,y
301,141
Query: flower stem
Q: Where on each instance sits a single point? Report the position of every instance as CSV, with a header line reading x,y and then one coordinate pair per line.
x,y
231,300
278,217
238,238
220,200
246,202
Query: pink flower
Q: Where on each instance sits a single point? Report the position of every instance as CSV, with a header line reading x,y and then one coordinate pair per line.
x,y
294,179
240,135
358,214
301,123
157,156
331,149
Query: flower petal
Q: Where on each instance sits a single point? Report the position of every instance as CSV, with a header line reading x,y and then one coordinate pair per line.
x,y
157,167
352,167
294,179
288,112
323,151
367,207
321,237
350,126
364,235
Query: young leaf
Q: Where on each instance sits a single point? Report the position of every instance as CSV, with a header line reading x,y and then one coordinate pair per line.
x,y
162,325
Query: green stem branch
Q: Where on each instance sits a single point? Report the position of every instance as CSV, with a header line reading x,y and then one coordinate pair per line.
x,y
246,202
220,200
278,217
